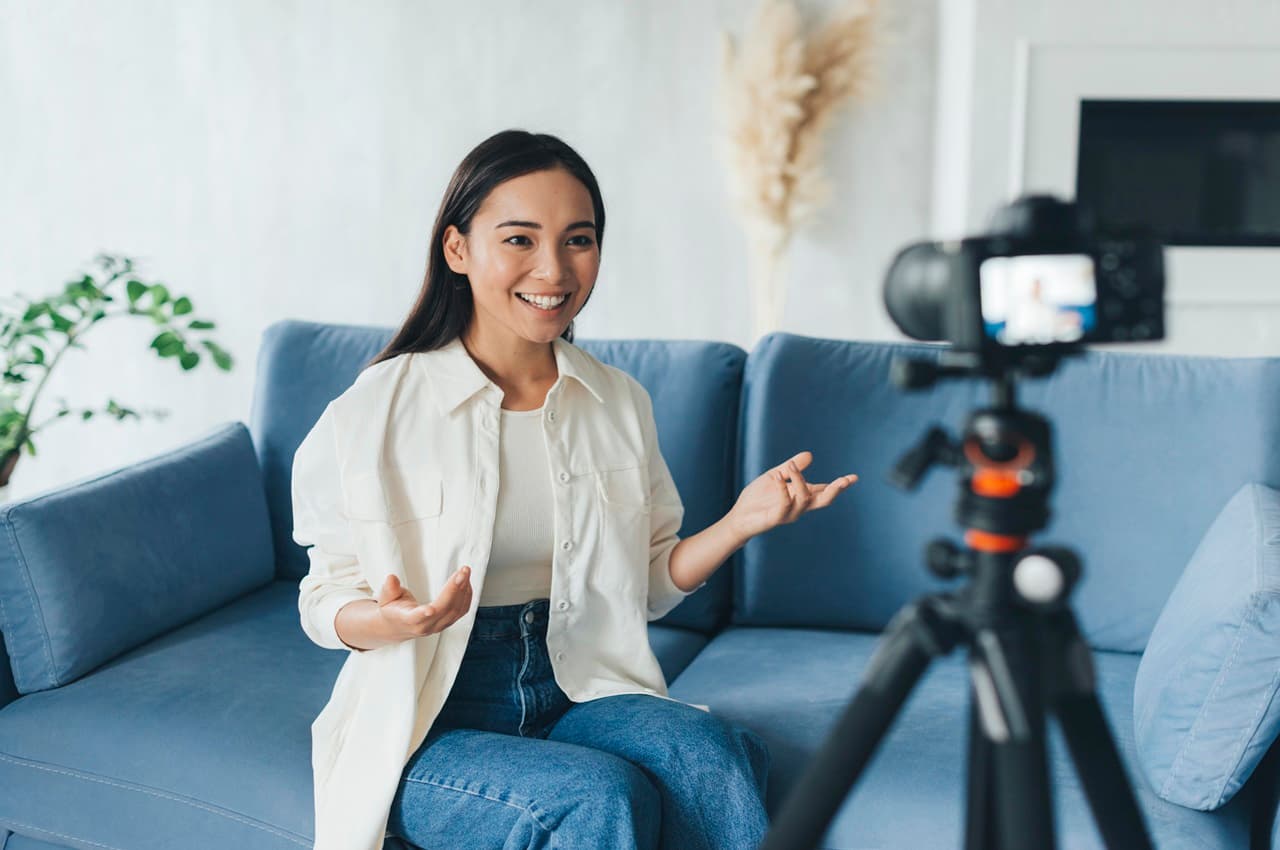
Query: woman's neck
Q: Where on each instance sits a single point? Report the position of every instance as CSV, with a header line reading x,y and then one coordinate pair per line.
x,y
516,367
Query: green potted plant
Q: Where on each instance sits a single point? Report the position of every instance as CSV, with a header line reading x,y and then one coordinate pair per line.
x,y
35,335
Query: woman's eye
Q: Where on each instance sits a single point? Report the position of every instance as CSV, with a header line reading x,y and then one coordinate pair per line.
x,y
515,237
586,240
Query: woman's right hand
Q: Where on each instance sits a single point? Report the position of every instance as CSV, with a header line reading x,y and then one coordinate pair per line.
x,y
405,617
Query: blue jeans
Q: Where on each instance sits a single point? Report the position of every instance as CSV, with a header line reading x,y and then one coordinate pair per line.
x,y
511,762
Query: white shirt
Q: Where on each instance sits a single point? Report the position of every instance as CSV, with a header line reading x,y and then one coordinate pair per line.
x,y
520,560
399,475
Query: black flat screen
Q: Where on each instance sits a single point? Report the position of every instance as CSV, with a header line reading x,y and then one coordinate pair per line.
x,y
1191,172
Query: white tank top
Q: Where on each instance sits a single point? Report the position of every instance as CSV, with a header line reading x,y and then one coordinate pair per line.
x,y
523,534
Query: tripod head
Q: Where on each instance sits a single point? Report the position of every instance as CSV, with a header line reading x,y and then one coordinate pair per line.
x,y
1005,460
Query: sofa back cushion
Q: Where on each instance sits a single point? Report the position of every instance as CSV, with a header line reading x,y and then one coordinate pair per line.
x,y
695,386
97,567
1148,448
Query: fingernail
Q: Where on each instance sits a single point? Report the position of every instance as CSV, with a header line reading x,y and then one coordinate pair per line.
x,y
459,577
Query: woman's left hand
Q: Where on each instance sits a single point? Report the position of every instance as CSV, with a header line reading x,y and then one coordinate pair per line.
x,y
771,500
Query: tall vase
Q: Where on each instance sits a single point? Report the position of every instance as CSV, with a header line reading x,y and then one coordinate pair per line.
x,y
768,278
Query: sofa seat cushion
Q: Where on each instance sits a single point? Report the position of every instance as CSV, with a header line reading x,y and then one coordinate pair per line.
x,y
204,731
791,685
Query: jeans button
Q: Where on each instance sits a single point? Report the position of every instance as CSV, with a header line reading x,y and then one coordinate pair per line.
x,y
528,616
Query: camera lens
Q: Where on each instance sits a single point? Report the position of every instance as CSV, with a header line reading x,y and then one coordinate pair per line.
x,y
915,290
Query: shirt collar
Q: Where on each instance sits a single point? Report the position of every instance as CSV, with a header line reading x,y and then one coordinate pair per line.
x,y
455,377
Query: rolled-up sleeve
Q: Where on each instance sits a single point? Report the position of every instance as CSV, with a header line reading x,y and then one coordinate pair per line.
x,y
335,578
665,519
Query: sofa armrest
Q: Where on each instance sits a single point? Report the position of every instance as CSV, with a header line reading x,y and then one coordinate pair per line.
x,y
97,567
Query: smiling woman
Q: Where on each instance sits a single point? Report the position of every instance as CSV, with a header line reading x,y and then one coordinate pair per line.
x,y
494,452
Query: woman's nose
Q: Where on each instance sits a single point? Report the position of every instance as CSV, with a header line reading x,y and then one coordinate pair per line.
x,y
550,265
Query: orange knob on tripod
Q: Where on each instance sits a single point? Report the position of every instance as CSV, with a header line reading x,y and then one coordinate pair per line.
x,y
985,541
996,483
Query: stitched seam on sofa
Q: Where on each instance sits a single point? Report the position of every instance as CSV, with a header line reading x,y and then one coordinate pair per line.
x,y
219,433
25,572
5,626
132,786
1250,730
34,828
1204,708
528,808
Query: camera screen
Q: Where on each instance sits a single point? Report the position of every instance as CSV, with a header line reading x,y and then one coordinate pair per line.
x,y
1035,299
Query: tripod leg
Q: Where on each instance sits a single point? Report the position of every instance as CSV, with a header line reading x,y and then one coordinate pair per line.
x,y
1007,692
980,818
919,632
1093,750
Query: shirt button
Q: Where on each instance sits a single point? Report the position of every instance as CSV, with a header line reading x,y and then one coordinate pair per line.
x,y
528,616
551,414
564,603
564,476
559,656
567,545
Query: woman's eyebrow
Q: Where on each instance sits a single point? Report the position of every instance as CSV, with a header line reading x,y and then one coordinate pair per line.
x,y
513,223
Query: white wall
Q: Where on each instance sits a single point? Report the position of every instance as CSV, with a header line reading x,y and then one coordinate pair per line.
x,y
286,159
1220,301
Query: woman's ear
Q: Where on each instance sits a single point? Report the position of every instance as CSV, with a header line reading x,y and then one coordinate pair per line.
x,y
455,248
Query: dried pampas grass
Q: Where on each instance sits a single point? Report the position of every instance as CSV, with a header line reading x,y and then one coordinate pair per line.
x,y
778,95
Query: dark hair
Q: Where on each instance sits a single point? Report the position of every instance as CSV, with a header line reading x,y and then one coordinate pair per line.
x,y
445,303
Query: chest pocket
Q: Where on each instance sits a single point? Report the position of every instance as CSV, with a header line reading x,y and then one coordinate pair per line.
x,y
394,497
625,510
624,489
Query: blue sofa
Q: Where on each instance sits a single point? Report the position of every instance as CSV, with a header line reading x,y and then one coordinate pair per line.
x,y
158,690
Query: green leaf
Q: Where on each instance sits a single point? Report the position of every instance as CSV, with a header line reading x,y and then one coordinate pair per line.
x,y
220,357
182,306
60,322
86,415
135,289
189,360
200,325
159,293
34,311
165,338
31,447
39,354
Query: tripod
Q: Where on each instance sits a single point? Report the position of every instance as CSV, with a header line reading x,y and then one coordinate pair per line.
x,y
1026,653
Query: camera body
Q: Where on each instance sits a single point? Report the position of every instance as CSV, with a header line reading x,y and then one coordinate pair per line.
x,y
1040,284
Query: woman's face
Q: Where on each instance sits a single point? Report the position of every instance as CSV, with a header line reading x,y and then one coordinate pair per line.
x,y
533,235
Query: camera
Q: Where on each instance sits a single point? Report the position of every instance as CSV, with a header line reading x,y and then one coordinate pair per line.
x,y
1039,285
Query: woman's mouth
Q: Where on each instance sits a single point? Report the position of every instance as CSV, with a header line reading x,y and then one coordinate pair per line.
x,y
545,306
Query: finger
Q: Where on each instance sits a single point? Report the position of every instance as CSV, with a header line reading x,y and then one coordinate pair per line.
x,y
462,599
392,589
797,481
826,493
452,587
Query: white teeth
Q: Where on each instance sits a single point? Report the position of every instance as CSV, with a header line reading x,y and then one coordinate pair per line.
x,y
544,303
